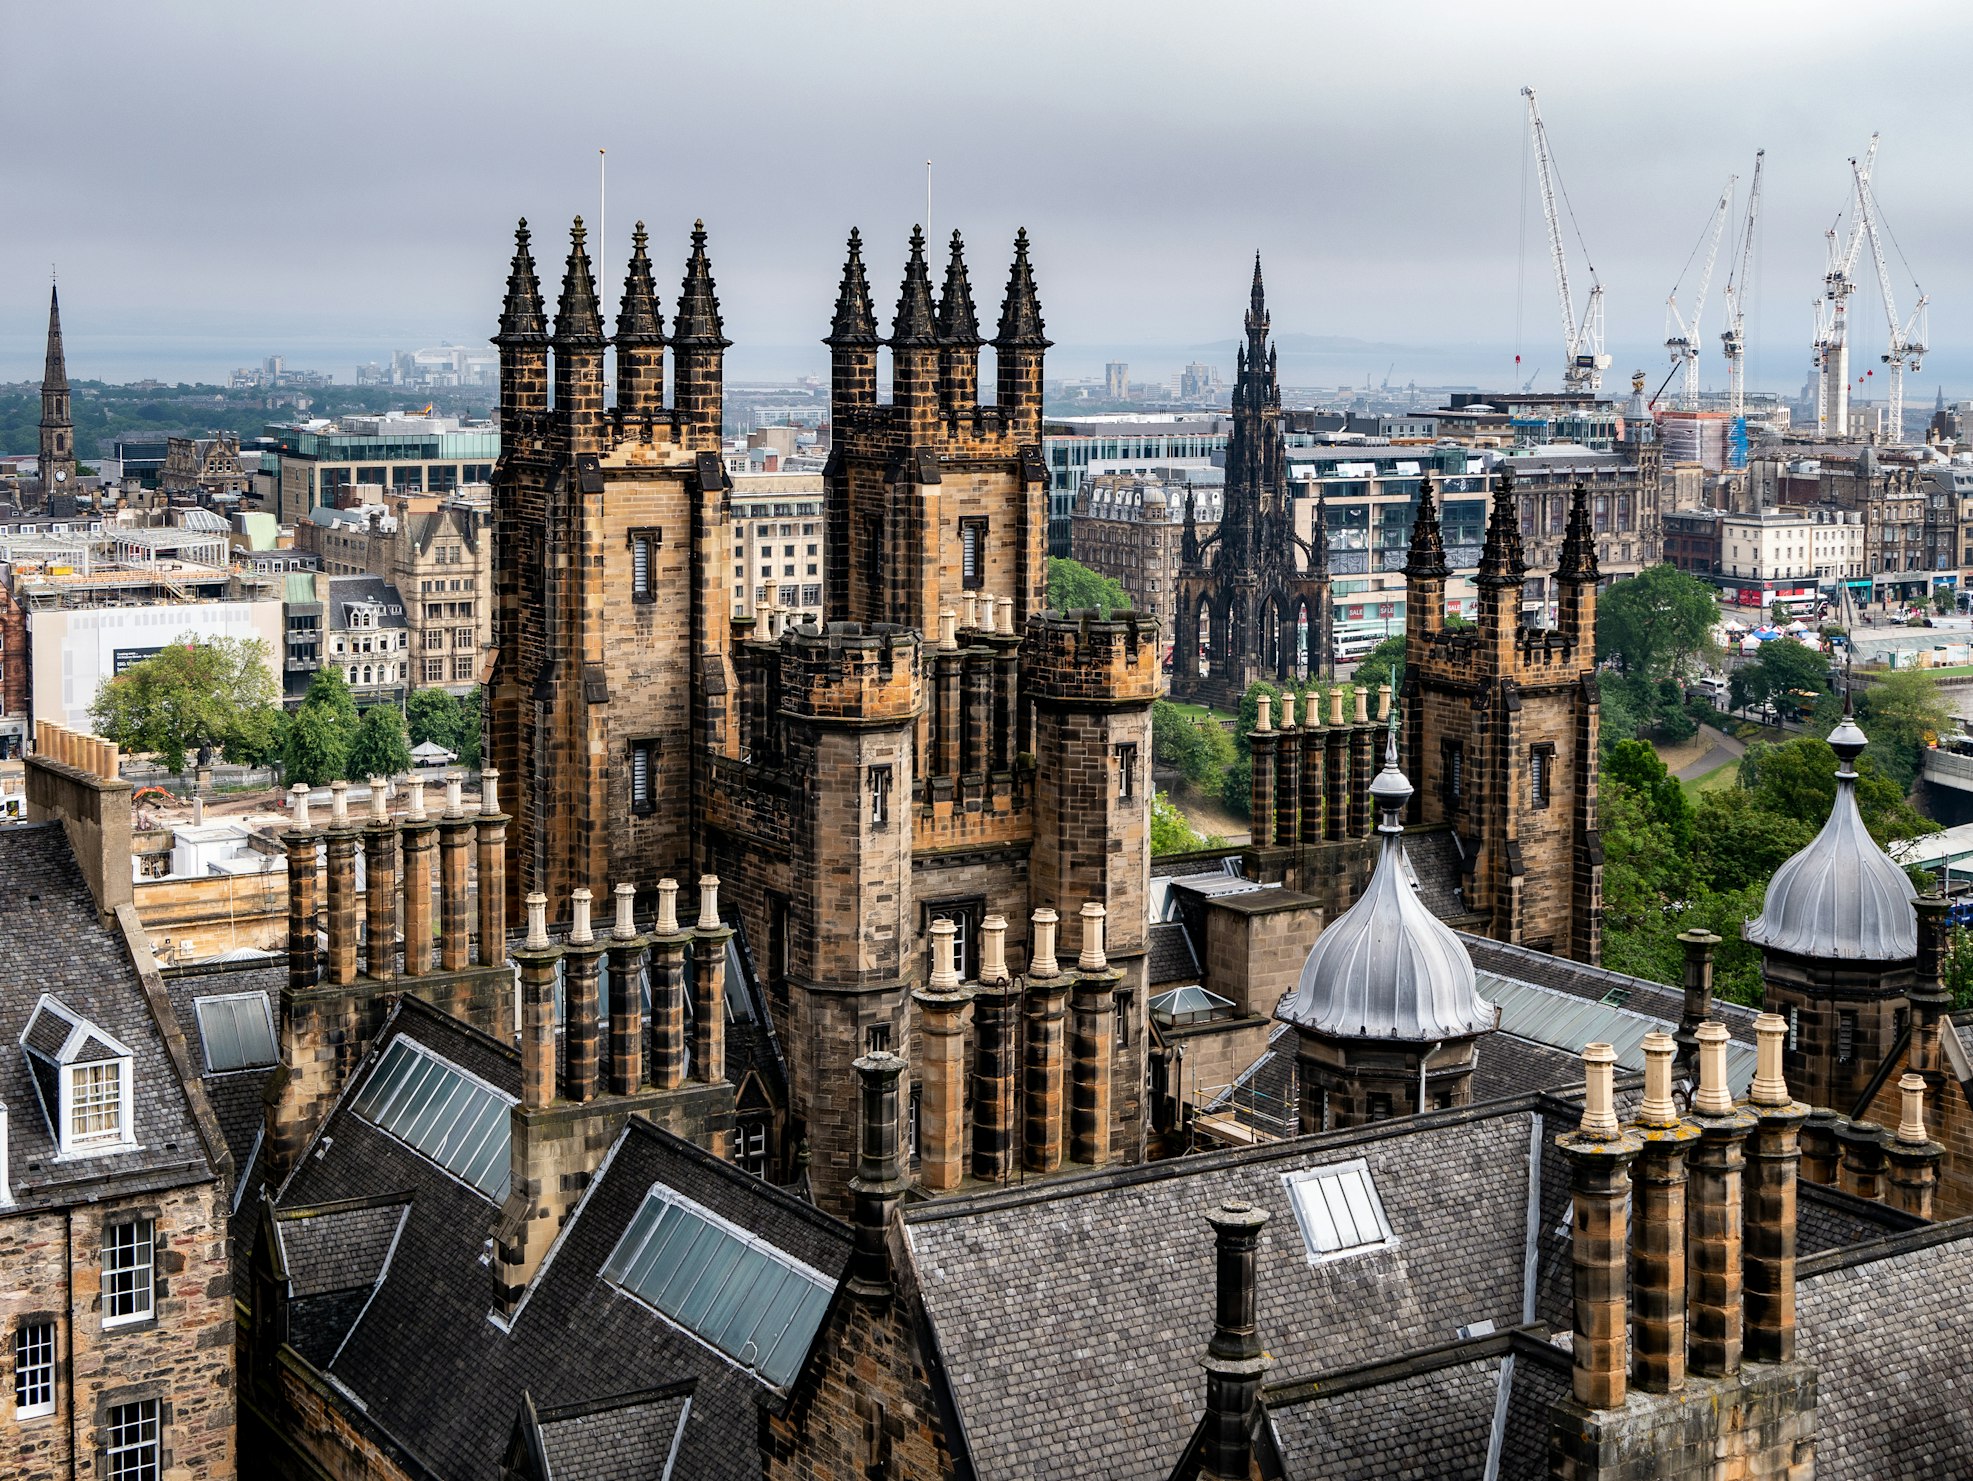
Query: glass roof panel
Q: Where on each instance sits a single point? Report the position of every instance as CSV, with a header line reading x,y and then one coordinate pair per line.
x,y
442,1113
238,1030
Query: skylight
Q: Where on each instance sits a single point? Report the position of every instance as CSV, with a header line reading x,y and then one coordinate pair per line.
x,y
736,1292
238,1030
1338,1210
438,1109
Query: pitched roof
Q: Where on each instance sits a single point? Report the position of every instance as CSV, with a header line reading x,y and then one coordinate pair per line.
x,y
1417,1427
442,1380
55,943
346,592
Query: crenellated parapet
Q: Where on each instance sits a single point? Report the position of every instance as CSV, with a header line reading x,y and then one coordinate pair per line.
x,y
1080,660
850,673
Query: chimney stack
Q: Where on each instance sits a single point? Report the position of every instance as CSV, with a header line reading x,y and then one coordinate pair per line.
x,y
879,1183
300,839
537,959
1773,1164
380,885
1717,1214
941,1109
1093,1034
1698,946
1929,999
420,839
1657,1231
342,887
995,1002
455,837
582,964
627,957
1599,1153
1913,1156
1234,1360
668,944
491,827
1048,991
709,940
1861,1147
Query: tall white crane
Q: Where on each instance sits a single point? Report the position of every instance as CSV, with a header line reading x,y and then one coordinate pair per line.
x,y
1734,340
1681,338
1906,345
1832,333
1582,339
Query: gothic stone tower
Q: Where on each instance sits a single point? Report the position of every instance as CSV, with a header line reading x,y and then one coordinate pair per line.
x,y
1254,587
57,429
611,621
1501,730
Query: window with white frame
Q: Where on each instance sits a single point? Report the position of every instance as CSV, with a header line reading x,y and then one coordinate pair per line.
x,y
1338,1210
129,1279
131,1441
95,1103
34,1369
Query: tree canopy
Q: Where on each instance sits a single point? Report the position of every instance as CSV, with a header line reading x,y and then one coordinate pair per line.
x,y
198,692
378,747
1380,664
1656,624
1786,673
316,747
1072,586
1903,713
1200,749
446,719
1172,832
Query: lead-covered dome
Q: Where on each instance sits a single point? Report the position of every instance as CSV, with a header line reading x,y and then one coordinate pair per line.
x,y
1842,897
1387,968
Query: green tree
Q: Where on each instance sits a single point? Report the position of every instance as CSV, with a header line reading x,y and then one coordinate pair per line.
x,y
1657,623
1072,586
1784,671
378,748
198,692
1903,713
1172,832
1636,765
319,734
1797,780
1942,601
466,739
432,715
1200,749
1739,844
327,689
1381,663
260,738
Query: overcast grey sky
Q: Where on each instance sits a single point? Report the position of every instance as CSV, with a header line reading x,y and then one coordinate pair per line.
x,y
222,181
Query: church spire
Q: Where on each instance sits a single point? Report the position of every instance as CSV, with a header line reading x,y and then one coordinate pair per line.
x,y
638,321
912,329
578,320
698,324
1257,317
521,317
1426,558
958,324
856,320
1020,312
55,376
1578,559
1502,560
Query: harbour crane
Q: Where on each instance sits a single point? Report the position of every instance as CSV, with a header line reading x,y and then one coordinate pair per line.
x,y
1682,339
1906,345
1734,340
1582,339
1832,332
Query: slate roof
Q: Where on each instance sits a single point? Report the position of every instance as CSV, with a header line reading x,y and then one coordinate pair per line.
x,y
1421,1427
348,591
1088,1366
1171,956
54,942
428,1366
1889,1329
236,1094
635,1440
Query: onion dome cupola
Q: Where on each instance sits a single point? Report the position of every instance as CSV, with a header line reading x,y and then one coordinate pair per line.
x,y
1842,897
1387,968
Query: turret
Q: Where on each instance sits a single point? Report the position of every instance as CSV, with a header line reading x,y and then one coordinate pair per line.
x,y
1503,568
853,339
699,347
1018,347
640,337
959,337
1575,574
523,339
914,348
578,347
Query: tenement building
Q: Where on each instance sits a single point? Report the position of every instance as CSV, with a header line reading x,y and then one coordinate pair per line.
x,y
1130,527
1253,596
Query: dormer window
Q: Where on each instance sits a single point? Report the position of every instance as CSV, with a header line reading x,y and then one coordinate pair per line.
x,y
83,1075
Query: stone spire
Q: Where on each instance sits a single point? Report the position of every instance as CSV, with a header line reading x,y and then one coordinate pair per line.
x,y
521,318
1257,319
1427,555
1578,560
578,320
698,324
957,323
1503,562
638,320
913,329
55,375
856,320
1021,326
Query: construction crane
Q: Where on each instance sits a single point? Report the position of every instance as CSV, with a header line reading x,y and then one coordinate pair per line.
x,y
1682,339
1906,345
1734,340
1832,333
1582,339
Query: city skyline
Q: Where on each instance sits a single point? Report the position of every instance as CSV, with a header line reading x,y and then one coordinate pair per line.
x,y
1393,202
